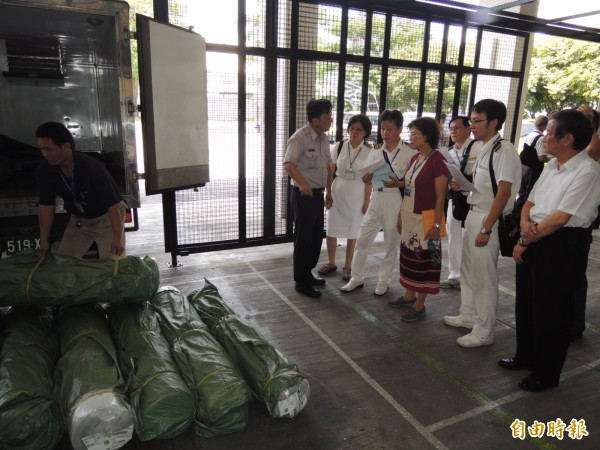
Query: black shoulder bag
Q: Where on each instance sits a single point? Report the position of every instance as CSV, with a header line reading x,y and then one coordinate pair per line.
x,y
529,156
508,225
460,207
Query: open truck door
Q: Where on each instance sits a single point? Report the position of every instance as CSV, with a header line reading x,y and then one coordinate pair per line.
x,y
174,109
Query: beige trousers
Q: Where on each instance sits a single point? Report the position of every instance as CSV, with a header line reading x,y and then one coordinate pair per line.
x,y
77,239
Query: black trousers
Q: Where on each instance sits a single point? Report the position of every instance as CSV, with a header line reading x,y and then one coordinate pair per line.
x,y
309,217
546,281
580,294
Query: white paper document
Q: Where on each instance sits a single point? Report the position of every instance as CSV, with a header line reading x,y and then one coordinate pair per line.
x,y
372,167
446,154
457,176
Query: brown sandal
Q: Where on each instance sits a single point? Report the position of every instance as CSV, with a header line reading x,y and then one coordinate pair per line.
x,y
347,273
326,268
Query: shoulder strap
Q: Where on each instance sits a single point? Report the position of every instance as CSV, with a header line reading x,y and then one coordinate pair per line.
x,y
537,138
339,147
495,148
387,160
465,157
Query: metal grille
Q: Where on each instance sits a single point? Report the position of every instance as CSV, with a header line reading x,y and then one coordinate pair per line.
x,y
362,59
255,146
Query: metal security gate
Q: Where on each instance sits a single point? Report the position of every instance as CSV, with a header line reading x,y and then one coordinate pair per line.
x,y
264,67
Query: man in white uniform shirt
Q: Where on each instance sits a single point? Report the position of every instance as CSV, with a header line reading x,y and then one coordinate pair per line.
x,y
479,266
384,206
460,130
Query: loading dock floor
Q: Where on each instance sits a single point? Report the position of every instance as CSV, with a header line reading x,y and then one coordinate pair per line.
x,y
377,382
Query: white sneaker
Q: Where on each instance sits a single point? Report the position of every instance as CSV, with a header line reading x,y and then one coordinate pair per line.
x,y
470,340
353,284
458,322
381,288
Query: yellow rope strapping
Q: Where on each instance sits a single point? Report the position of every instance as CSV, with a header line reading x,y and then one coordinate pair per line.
x,y
86,332
156,375
209,375
86,397
31,276
275,375
116,270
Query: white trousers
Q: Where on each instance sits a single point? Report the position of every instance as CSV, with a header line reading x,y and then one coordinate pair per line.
x,y
479,277
382,214
455,243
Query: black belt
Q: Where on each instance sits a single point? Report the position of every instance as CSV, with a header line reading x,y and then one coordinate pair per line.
x,y
313,189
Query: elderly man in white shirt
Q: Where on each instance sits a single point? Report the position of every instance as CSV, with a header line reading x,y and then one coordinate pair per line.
x,y
560,208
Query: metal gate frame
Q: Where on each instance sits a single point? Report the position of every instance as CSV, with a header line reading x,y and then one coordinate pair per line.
x,y
273,54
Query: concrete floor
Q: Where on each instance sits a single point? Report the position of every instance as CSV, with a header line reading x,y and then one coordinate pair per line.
x,y
377,382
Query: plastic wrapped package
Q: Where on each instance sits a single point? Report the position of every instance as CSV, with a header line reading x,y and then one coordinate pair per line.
x,y
88,381
162,404
222,395
273,379
29,415
63,280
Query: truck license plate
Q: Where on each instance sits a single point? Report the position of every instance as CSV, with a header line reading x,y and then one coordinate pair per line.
x,y
16,245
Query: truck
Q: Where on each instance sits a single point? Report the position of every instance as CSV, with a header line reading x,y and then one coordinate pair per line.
x,y
70,61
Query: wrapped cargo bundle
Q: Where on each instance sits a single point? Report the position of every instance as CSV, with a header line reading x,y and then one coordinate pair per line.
x,y
29,415
162,404
222,395
63,280
88,381
273,379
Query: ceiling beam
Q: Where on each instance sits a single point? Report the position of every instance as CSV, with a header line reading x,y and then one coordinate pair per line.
x,y
509,5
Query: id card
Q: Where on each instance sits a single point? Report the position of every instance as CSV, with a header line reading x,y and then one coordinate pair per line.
x,y
407,191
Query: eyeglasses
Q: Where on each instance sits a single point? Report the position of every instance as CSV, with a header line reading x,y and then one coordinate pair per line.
x,y
476,121
355,130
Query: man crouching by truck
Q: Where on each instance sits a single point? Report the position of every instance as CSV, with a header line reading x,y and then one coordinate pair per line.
x,y
89,193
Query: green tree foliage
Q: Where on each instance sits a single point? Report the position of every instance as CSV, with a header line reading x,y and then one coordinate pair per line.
x,y
144,7
406,43
564,74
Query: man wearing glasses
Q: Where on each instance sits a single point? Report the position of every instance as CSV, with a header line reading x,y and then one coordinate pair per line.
x,y
463,153
479,265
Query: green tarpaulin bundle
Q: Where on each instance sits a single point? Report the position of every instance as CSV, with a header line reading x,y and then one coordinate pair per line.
x,y
63,280
88,380
163,405
273,379
29,415
222,395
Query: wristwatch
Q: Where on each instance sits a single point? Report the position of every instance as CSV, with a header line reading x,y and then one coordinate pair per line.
x,y
521,243
485,230
437,225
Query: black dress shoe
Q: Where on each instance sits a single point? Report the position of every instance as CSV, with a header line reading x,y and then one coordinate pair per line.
x,y
575,337
316,281
309,291
534,385
512,364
